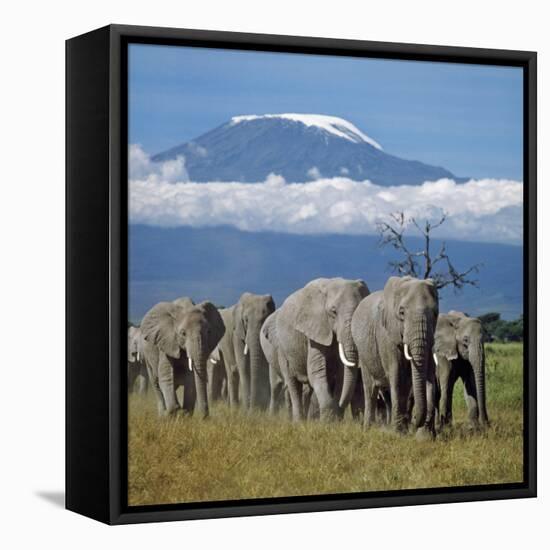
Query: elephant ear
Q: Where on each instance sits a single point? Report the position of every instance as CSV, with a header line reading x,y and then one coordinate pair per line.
x,y
238,321
269,327
159,327
388,308
215,323
363,288
310,316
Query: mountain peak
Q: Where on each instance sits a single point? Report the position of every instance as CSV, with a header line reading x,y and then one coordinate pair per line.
x,y
298,147
331,124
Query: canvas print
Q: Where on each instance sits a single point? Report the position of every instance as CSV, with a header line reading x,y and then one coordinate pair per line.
x,y
325,273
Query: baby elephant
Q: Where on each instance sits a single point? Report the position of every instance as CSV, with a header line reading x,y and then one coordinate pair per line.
x,y
459,353
137,371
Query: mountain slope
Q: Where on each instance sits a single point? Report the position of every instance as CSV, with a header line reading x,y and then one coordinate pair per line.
x,y
299,148
220,263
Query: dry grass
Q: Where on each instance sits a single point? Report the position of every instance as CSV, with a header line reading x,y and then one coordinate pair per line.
x,y
233,456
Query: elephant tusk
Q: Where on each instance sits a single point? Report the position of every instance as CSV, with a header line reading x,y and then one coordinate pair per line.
x,y
246,349
190,363
407,356
435,360
213,361
343,356
138,355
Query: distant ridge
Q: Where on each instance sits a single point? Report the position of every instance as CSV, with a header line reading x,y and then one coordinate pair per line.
x,y
299,147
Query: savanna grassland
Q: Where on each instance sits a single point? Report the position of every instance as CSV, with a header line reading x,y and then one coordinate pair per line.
x,y
235,456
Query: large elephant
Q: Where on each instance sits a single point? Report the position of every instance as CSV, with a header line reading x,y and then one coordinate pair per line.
x,y
393,330
178,339
249,315
137,370
459,353
314,330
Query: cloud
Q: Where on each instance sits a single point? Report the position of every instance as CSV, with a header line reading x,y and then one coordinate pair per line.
x,y
314,173
141,167
478,210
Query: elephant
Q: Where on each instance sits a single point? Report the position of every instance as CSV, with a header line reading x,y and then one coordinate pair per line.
x,y
458,352
393,330
223,357
249,315
178,337
137,370
314,331
279,396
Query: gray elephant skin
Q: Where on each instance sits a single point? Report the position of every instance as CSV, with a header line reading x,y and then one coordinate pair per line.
x,y
278,373
314,331
137,370
393,330
223,357
178,339
459,353
216,375
249,315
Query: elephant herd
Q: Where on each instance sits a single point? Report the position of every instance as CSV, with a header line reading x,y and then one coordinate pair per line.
x,y
389,355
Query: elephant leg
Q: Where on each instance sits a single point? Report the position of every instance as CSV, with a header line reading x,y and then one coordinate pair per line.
x,y
167,386
287,402
276,389
161,406
232,387
313,411
447,378
358,402
132,375
142,384
307,396
400,389
209,382
189,393
470,396
154,381
317,375
223,392
430,401
386,398
295,392
370,392
244,383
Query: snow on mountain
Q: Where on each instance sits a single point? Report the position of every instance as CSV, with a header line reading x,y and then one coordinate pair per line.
x,y
331,124
298,147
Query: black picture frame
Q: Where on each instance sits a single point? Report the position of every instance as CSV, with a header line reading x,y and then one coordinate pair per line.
x,y
96,271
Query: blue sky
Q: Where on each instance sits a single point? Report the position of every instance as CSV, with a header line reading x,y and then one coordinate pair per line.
x,y
466,118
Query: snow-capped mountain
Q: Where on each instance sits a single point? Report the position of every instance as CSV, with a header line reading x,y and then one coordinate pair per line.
x,y
299,147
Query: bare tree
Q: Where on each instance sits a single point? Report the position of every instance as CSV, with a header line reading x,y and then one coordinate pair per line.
x,y
422,263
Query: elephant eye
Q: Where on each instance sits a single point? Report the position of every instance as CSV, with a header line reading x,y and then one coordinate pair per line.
x,y
332,311
401,312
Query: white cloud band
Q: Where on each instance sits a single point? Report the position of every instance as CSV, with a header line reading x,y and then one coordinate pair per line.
x,y
478,210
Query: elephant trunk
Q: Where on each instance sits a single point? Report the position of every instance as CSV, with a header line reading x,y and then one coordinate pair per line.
x,y
477,359
418,339
349,357
198,357
258,370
